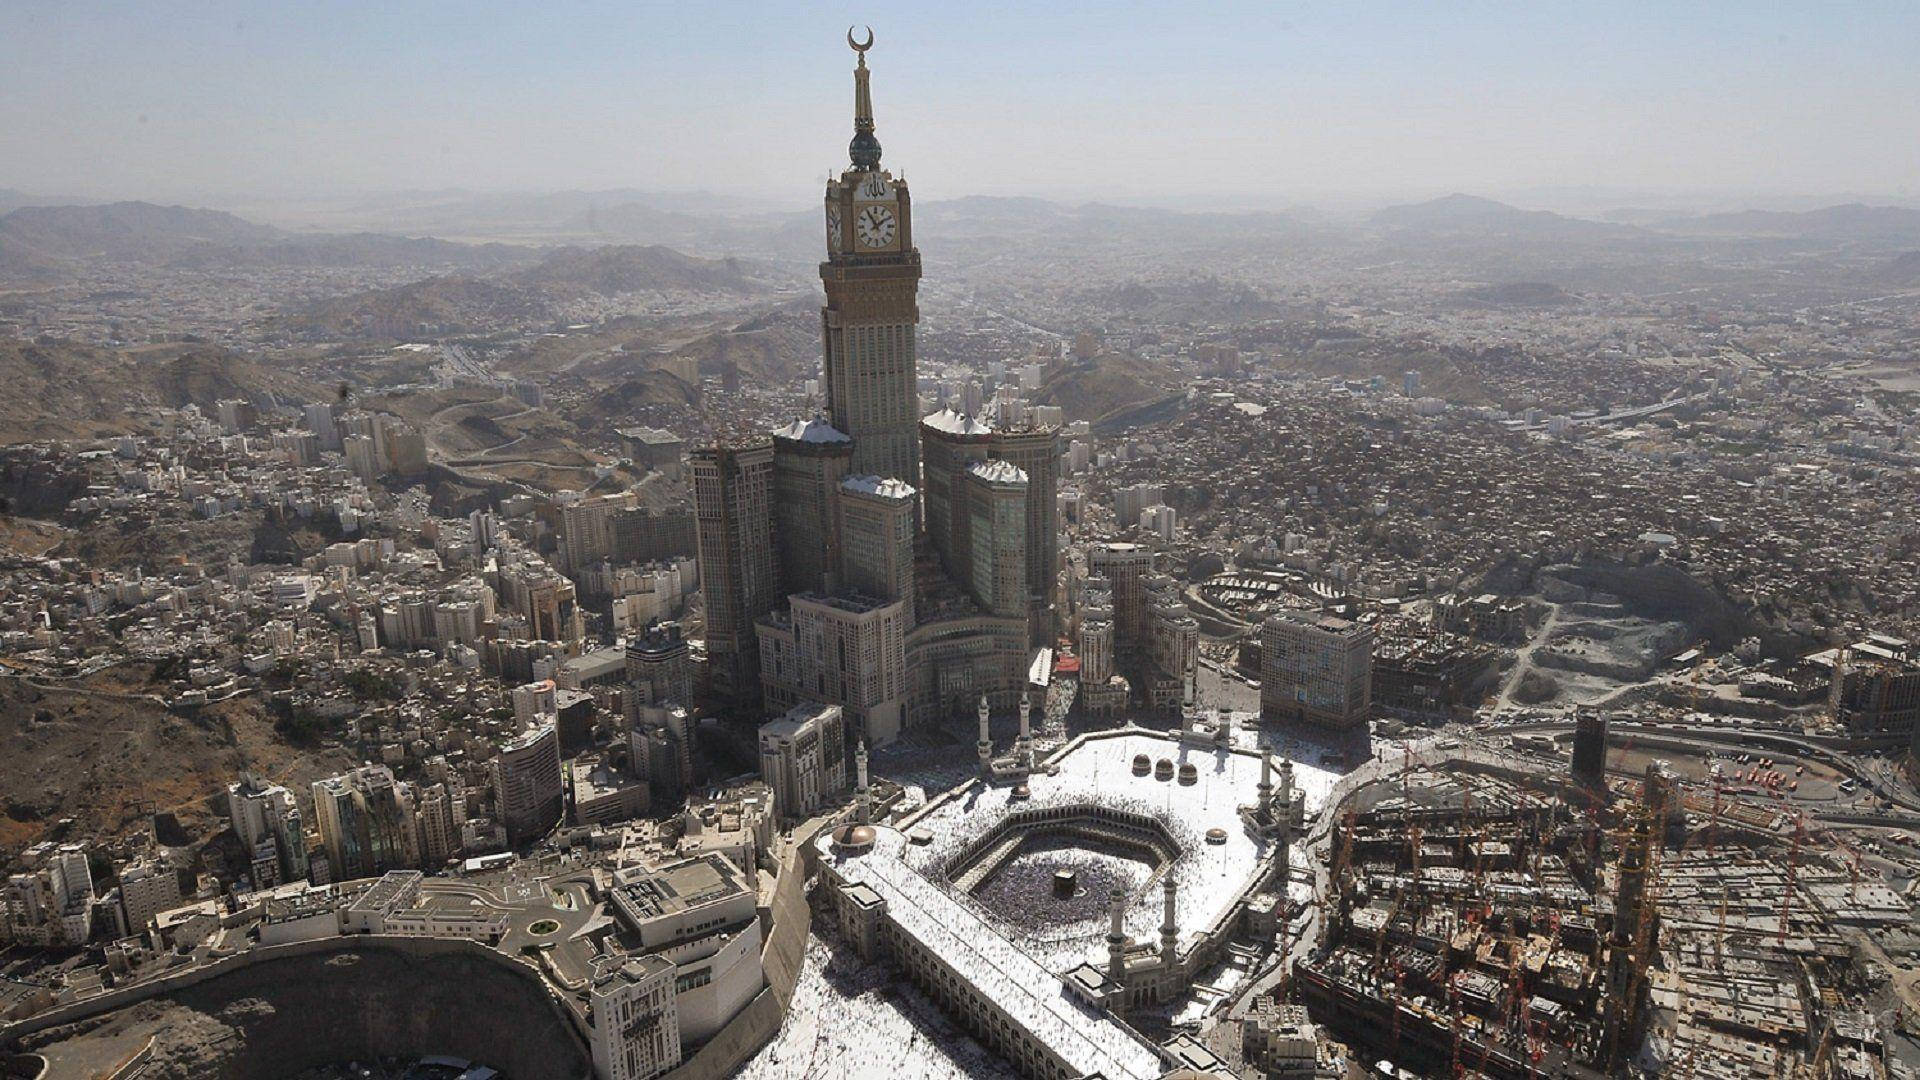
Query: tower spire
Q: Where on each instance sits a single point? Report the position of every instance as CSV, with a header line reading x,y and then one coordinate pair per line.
x,y
864,149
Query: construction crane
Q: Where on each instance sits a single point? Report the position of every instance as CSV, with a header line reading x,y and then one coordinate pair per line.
x,y
1713,823
1793,874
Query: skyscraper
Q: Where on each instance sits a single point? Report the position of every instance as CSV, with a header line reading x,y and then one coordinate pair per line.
x,y
659,670
876,527
952,442
1125,566
1317,669
872,277
997,513
1034,447
266,819
809,459
366,821
527,788
733,511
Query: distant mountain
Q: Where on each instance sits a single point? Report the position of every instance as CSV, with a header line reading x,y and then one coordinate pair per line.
x,y
572,283
40,242
978,217
1901,271
12,199
1851,221
58,389
1472,215
118,230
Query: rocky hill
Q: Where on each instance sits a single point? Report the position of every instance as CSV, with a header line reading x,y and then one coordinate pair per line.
x,y
65,390
109,756
780,346
1096,388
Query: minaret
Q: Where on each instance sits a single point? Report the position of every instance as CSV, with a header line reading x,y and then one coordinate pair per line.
x,y
1117,937
1266,785
1169,929
1283,839
1023,749
985,745
863,806
1188,711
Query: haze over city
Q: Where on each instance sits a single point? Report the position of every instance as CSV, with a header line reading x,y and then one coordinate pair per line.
x,y
1251,104
1098,542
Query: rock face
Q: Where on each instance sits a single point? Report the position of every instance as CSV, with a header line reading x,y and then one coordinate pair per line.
x,y
363,1001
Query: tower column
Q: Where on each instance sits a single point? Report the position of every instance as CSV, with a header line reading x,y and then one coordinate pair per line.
x,y
1169,929
1117,937
1283,840
863,805
985,743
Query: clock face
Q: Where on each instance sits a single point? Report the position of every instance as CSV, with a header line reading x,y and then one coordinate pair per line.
x,y
833,226
874,227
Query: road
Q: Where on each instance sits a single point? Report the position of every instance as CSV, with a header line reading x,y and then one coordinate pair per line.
x,y
1524,659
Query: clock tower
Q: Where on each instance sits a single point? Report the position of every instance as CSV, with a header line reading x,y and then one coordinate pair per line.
x,y
872,279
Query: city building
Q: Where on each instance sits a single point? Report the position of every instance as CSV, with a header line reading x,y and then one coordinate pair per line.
x,y
847,650
440,813
266,820
810,458
733,508
50,901
803,759
636,1031
997,537
1875,687
697,914
527,788
876,538
660,746
146,889
1590,749
1124,567
659,667
1316,669
366,822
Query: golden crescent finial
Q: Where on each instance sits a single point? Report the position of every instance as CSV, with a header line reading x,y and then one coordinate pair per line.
x,y
856,46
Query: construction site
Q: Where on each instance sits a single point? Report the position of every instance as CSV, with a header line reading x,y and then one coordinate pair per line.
x,y
1500,919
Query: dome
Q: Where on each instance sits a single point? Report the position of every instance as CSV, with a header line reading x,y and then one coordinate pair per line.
x,y
854,837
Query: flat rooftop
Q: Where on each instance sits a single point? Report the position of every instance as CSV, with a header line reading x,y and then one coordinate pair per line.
x,y
682,886
1086,1039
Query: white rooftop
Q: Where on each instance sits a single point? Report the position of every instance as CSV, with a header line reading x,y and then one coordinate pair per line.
x,y
1019,967
1087,1040
955,423
816,430
1099,769
884,486
998,472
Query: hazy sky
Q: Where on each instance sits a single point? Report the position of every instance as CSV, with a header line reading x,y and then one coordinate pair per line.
x,y
1229,101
